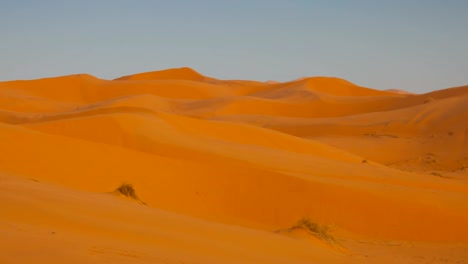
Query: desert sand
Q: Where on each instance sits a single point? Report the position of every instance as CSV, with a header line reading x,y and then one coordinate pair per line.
x,y
224,170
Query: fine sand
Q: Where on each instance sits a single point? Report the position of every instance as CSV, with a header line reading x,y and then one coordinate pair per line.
x,y
224,170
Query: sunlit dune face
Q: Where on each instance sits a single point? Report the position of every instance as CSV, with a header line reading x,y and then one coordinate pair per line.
x,y
176,167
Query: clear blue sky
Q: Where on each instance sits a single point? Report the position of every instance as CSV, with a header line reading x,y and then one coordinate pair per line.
x,y
416,45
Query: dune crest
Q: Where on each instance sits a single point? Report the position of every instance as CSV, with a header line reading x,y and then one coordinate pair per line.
x,y
184,73
397,91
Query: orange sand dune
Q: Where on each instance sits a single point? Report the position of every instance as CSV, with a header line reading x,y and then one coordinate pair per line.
x,y
226,168
397,91
337,86
431,134
184,73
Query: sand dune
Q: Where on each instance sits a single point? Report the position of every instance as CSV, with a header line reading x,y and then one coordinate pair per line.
x,y
184,73
397,91
432,133
226,169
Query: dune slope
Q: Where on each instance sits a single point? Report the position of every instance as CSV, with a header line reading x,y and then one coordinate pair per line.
x,y
225,169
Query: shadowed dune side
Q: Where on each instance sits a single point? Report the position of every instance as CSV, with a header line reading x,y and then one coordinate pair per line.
x,y
77,88
22,101
131,103
296,100
426,98
86,89
187,138
244,171
315,108
431,135
119,231
327,85
425,119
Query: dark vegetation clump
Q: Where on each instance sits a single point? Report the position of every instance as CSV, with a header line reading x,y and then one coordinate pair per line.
x,y
320,231
127,190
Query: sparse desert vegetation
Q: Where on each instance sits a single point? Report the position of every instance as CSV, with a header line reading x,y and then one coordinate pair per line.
x,y
223,173
428,100
320,231
127,190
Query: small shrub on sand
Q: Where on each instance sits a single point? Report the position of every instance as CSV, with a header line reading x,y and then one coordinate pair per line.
x,y
428,100
127,190
437,174
320,231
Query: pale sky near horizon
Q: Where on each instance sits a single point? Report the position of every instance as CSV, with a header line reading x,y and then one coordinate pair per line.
x,y
415,45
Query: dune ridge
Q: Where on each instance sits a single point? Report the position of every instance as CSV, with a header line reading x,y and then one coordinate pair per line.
x,y
220,163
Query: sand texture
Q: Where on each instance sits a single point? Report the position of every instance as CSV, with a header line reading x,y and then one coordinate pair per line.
x,y
316,170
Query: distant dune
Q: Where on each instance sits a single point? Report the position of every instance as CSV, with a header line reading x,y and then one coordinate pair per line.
x,y
397,91
184,73
224,171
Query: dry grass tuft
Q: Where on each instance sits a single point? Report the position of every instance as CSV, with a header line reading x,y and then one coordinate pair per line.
x,y
320,231
127,190
428,100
